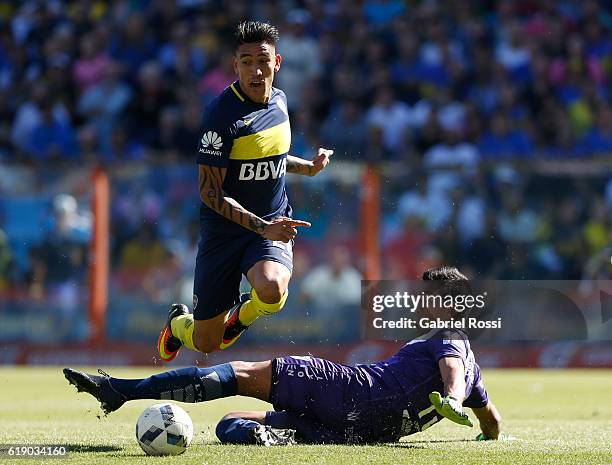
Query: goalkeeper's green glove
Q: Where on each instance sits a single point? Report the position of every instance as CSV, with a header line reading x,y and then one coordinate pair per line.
x,y
450,408
483,437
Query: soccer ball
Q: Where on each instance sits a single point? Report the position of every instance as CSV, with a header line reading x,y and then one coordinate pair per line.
x,y
164,429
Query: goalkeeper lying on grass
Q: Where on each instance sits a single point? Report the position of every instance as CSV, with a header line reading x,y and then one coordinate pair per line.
x,y
318,401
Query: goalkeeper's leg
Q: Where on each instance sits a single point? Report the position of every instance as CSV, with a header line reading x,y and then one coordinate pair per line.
x,y
276,428
252,428
192,384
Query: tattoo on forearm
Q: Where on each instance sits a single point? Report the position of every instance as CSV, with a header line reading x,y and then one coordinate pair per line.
x,y
211,193
299,166
257,225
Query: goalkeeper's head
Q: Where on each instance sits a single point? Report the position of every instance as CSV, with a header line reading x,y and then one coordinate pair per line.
x,y
446,283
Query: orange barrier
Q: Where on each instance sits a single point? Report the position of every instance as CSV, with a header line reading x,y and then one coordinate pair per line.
x,y
99,256
370,218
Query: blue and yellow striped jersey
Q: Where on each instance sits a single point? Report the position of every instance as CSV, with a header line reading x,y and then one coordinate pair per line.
x,y
251,140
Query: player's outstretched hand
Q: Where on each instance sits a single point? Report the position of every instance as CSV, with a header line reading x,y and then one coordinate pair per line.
x,y
321,160
283,229
450,408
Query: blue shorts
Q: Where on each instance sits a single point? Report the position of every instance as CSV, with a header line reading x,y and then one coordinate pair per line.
x,y
329,403
222,260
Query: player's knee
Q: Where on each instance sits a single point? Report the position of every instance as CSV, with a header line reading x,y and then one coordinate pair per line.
x,y
230,416
224,427
271,289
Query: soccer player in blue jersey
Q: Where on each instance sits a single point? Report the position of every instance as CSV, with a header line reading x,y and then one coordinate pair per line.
x,y
318,401
245,217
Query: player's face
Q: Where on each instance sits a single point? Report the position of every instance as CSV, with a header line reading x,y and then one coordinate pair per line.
x,y
255,65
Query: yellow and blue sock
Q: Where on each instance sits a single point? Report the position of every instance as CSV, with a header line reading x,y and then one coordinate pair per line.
x,y
254,308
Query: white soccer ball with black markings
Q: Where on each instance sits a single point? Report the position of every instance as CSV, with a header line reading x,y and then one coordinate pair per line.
x,y
164,429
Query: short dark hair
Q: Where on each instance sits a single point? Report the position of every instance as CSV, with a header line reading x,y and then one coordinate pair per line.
x,y
454,281
248,32
444,273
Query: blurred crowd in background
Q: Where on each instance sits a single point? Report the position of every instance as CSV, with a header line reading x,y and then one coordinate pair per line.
x,y
461,99
378,79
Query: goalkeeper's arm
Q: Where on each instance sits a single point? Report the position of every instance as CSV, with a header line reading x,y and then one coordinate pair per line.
x,y
449,404
490,421
453,377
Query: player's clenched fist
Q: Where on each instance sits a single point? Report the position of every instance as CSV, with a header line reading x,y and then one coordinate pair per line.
x,y
321,160
283,229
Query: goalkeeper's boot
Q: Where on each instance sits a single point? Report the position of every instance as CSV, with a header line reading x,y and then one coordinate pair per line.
x,y
98,386
233,327
168,345
265,435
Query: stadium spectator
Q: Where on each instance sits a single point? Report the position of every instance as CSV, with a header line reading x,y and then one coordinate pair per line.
x,y
29,115
598,228
332,284
382,12
6,261
471,208
345,129
513,52
392,116
149,100
179,56
91,65
448,160
502,140
51,139
218,77
404,252
425,205
103,104
136,44
301,57
568,237
487,253
144,252
516,221
598,140
59,263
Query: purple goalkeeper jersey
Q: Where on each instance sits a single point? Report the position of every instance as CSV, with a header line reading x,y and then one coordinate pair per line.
x,y
328,402
415,369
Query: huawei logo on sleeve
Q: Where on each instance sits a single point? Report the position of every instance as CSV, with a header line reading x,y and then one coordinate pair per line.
x,y
211,139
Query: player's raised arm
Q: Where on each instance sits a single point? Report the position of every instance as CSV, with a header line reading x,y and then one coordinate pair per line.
x,y
312,167
212,194
490,421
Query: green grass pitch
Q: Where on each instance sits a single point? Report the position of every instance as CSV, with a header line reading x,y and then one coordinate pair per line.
x,y
556,416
